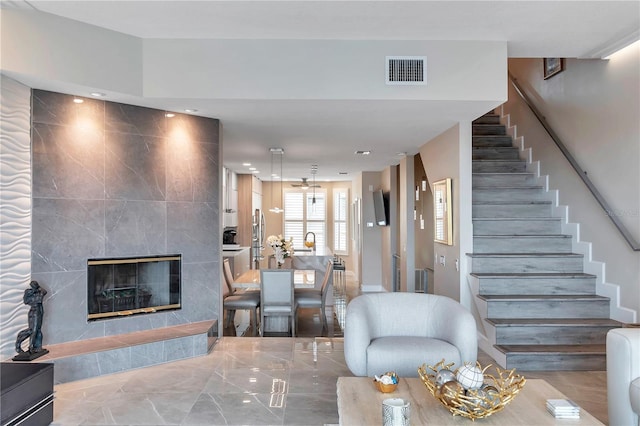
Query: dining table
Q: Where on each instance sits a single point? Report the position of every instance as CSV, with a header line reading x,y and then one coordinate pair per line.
x,y
250,280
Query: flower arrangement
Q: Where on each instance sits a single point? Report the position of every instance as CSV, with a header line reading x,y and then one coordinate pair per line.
x,y
282,248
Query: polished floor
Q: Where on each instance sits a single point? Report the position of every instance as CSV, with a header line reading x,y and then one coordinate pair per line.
x,y
256,381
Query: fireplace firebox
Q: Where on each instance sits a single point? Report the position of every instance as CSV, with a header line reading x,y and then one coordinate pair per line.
x,y
130,286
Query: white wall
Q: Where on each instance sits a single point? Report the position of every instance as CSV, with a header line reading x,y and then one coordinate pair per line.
x,y
318,69
15,211
449,156
44,46
372,235
594,107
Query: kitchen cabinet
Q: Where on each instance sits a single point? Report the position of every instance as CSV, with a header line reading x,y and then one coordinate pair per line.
x,y
238,260
230,198
249,199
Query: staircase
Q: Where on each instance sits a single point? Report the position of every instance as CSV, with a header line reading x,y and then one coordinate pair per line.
x,y
540,308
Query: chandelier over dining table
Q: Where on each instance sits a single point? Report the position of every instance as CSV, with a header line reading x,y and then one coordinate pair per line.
x,y
276,153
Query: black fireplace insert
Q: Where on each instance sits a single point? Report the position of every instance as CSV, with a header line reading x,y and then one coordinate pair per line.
x,y
134,285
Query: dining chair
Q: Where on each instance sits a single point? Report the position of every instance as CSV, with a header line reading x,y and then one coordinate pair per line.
x,y
276,297
234,299
315,298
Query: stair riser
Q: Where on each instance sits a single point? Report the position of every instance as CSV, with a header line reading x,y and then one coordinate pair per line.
x,y
511,210
487,119
504,141
551,335
540,286
499,166
511,244
495,154
560,362
488,129
518,265
502,180
516,227
512,194
576,308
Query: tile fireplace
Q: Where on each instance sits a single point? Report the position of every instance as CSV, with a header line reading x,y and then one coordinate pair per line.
x,y
130,286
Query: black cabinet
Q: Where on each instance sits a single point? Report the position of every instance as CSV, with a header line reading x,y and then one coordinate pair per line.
x,y
26,394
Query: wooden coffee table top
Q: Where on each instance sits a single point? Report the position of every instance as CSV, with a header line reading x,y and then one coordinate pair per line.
x,y
359,403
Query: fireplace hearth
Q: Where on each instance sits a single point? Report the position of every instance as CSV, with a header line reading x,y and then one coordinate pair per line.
x,y
119,287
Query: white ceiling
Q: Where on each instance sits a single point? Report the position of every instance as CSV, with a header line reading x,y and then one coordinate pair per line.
x,y
312,131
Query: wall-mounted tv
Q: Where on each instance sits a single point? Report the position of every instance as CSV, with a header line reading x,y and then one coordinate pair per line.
x,y
381,208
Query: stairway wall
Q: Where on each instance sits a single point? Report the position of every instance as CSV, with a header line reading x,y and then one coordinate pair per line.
x,y
600,128
449,155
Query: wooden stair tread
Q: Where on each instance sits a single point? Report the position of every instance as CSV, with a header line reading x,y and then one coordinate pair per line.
x,y
517,255
481,174
551,349
521,219
503,187
510,203
534,322
532,275
534,297
560,236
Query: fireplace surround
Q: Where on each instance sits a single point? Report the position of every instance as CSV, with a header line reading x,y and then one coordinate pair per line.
x,y
119,287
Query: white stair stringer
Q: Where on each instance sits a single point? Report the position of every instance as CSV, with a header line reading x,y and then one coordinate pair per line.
x,y
594,267
486,331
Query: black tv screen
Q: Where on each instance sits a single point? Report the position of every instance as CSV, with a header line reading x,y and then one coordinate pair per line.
x,y
380,209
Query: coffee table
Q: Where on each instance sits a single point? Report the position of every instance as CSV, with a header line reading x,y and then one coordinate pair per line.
x,y
359,403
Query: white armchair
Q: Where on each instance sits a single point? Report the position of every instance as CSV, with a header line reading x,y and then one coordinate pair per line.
x,y
401,331
623,376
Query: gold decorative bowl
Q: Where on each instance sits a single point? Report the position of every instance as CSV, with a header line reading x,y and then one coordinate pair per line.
x,y
385,388
498,390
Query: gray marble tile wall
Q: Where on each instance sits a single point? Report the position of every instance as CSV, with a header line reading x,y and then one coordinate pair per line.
x,y
116,180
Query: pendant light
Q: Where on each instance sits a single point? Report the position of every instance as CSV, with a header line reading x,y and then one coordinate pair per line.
x,y
314,170
279,152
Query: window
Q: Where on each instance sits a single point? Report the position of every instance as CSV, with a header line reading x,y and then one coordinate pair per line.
x,y
302,215
340,220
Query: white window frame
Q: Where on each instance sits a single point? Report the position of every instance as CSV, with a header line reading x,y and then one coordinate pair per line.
x,y
344,223
305,220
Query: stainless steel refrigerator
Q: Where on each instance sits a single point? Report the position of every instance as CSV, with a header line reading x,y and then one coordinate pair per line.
x,y
257,238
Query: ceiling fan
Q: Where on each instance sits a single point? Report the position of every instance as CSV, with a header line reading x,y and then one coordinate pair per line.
x,y
305,184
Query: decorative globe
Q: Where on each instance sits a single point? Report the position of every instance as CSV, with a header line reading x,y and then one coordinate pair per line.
x,y
450,391
470,377
445,375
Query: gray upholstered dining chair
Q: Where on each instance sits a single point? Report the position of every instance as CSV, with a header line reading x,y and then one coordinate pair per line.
x,y
276,297
234,300
315,297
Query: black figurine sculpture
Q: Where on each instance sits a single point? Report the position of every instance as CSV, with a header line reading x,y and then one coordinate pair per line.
x,y
33,297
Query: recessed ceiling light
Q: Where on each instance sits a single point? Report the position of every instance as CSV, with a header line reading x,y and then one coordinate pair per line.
x,y
78,100
401,154
98,94
169,115
363,152
190,110
255,171
246,164
252,168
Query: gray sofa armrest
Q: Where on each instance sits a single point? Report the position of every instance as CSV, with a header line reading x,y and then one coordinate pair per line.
x,y
623,366
357,337
455,324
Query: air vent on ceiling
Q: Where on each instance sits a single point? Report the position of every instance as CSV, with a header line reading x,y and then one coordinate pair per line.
x,y
406,70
